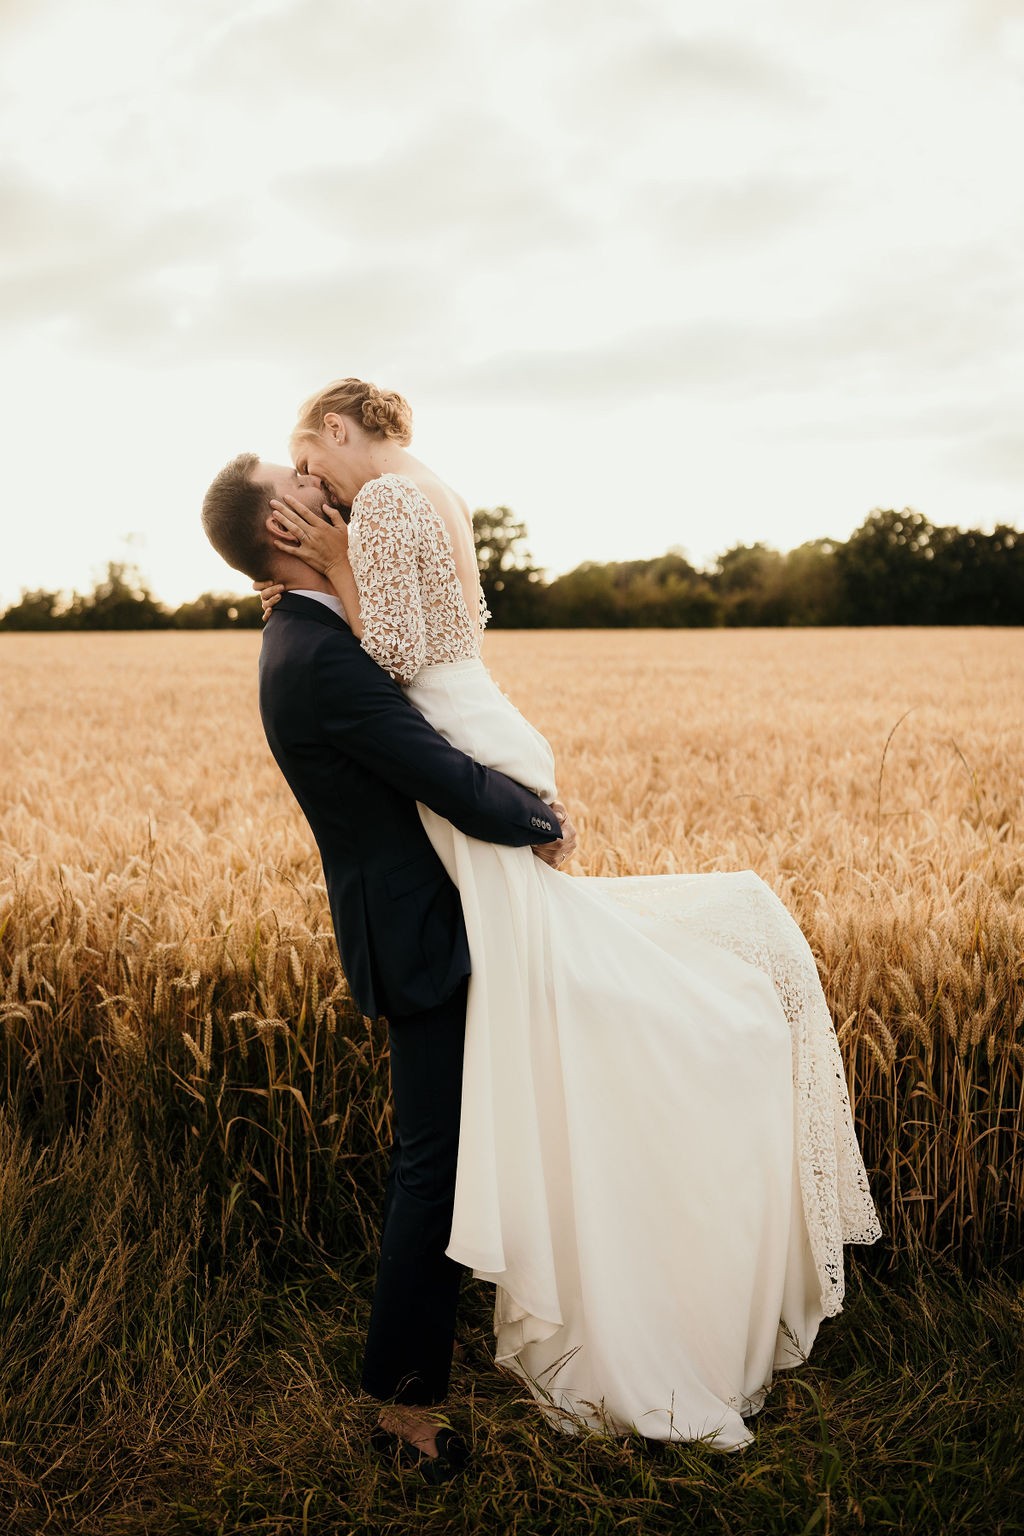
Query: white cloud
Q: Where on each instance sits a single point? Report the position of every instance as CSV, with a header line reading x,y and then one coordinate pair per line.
x,y
600,247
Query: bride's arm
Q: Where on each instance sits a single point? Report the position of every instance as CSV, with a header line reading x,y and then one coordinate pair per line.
x,y
344,583
384,555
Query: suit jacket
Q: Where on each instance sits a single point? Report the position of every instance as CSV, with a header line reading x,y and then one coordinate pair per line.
x,y
357,756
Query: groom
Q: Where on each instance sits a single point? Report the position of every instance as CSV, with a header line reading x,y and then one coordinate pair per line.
x,y
357,757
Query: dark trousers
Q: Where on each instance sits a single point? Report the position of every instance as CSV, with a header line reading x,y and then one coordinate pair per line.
x,y
412,1324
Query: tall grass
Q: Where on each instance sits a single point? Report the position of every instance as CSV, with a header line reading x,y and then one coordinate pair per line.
x,y
165,937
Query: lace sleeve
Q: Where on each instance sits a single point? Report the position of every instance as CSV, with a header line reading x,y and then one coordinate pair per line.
x,y
382,547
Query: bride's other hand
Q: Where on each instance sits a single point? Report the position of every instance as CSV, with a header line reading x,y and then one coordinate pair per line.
x,y
298,531
270,593
557,854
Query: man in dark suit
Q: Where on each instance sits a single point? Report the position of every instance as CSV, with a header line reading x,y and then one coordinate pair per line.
x,y
358,756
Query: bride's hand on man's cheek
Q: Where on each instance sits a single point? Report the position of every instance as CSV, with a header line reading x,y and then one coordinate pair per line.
x,y
321,542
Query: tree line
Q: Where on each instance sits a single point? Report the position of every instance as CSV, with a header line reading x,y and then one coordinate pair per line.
x,y
122,600
896,568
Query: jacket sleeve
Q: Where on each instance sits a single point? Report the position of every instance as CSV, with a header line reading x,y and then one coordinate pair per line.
x,y
364,713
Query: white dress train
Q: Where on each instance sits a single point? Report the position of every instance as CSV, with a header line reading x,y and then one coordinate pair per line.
x,y
658,1168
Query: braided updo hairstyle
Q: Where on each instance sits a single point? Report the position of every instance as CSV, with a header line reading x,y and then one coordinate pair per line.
x,y
381,412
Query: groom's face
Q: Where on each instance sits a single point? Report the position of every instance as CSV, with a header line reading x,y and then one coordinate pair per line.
x,y
283,480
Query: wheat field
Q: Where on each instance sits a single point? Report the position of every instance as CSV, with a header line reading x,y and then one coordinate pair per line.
x,y
161,898
192,1116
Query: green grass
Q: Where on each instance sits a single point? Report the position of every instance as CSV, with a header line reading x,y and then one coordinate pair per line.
x,y
155,1378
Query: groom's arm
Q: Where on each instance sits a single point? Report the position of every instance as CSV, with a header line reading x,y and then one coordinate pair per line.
x,y
363,712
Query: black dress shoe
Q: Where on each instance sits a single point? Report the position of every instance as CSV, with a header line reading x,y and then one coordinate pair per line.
x,y
452,1453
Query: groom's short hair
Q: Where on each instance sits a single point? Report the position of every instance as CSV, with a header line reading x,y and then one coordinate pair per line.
x,y
235,509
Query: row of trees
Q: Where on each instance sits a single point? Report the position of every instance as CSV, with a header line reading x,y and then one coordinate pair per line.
x,y
122,600
896,568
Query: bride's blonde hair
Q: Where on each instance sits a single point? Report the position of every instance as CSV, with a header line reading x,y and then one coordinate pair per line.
x,y
381,412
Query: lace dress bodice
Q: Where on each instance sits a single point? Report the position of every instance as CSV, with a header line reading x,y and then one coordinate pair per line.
x,y
411,600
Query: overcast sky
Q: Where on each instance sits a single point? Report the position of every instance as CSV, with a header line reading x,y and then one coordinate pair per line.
x,y
654,273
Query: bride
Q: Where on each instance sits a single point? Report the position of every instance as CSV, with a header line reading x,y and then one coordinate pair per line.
x,y
658,1168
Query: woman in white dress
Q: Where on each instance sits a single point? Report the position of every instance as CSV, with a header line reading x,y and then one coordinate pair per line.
x,y
658,1168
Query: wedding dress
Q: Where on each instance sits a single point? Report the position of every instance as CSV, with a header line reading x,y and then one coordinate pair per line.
x,y
658,1167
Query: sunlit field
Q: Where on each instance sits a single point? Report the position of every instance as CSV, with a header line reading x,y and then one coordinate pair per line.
x,y
192,1114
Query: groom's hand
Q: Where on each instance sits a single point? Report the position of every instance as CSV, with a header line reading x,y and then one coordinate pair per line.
x,y
557,854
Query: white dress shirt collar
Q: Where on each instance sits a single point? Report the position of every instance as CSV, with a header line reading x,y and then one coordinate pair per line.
x,y
328,599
